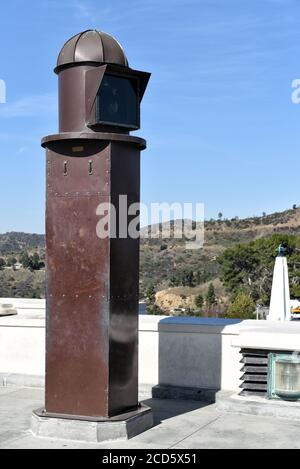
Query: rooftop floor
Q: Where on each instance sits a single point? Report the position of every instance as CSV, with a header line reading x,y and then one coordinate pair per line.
x,y
178,424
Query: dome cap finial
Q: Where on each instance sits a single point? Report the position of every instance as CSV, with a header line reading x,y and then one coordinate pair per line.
x,y
91,46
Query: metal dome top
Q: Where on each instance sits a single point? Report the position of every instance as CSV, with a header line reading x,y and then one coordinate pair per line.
x,y
91,46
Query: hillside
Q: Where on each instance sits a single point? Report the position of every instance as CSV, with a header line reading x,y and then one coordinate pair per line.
x,y
165,263
15,243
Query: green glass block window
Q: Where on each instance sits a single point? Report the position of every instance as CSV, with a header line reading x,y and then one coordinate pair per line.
x,y
284,376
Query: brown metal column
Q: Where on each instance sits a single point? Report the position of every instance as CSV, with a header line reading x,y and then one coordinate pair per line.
x,y
92,283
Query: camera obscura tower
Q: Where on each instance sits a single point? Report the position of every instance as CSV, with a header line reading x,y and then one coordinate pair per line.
x,y
92,281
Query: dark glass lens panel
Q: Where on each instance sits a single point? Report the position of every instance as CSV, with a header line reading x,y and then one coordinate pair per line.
x,y
117,102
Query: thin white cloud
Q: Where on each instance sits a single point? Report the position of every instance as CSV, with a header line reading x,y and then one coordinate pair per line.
x,y
280,2
30,106
82,10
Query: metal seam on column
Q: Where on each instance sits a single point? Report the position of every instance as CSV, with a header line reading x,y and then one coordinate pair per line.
x,y
75,48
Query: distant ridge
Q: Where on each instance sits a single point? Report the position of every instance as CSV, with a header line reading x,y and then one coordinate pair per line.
x,y
16,242
163,259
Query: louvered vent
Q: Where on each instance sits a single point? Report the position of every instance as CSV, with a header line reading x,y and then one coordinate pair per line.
x,y
255,372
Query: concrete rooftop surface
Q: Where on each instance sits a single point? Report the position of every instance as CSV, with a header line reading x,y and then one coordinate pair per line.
x,y
178,424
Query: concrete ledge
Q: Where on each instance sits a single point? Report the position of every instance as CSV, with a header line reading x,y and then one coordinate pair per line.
x,y
269,335
167,348
22,380
184,393
6,309
88,431
25,303
38,381
187,324
277,408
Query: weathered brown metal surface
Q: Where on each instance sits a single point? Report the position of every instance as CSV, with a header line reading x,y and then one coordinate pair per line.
x,y
92,283
77,346
72,99
124,286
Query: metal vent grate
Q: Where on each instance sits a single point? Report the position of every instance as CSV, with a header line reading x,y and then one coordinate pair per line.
x,y
255,372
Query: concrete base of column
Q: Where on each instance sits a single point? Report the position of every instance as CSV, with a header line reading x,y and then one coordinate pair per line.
x,y
121,427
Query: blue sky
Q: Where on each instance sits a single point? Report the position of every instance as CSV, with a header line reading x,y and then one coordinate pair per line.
x,y
218,116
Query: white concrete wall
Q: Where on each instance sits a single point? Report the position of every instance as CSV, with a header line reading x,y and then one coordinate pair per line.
x,y
22,350
177,351
22,338
182,351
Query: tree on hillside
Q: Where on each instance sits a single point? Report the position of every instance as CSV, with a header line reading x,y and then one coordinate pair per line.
x,y
155,310
150,294
242,307
294,207
25,260
174,281
238,266
11,261
188,279
199,301
31,262
249,267
151,307
210,297
220,216
2,263
198,277
35,262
